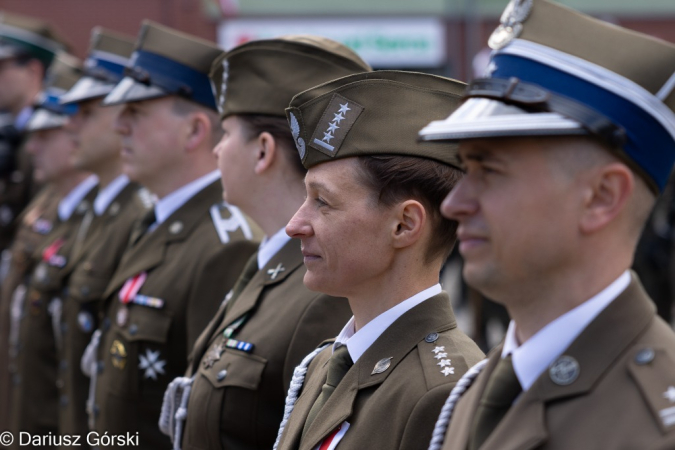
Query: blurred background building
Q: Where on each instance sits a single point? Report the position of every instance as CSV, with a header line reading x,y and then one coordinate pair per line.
x,y
444,37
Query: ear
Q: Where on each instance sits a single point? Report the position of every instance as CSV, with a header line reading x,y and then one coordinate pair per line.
x,y
36,68
410,220
266,152
199,131
610,189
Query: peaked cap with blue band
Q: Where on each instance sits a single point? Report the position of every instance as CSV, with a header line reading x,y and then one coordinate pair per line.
x,y
27,36
555,71
167,62
49,112
109,54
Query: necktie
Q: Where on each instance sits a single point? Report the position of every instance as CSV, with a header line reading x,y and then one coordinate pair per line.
x,y
142,226
338,366
250,269
502,389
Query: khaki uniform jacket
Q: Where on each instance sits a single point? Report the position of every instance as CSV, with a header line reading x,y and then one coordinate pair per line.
x,y
90,269
16,191
626,360
35,394
189,270
35,223
237,400
396,406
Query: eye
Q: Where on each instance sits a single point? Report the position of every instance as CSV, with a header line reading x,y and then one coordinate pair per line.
x,y
320,202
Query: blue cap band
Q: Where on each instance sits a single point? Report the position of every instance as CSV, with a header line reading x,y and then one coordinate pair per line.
x,y
113,71
173,77
51,102
648,143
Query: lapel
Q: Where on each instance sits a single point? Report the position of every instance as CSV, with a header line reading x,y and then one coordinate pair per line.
x,y
432,315
150,250
596,349
112,211
289,258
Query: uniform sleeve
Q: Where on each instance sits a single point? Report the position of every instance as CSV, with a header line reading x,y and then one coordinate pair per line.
x,y
213,281
322,319
422,420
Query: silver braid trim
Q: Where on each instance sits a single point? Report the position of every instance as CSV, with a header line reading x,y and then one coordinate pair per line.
x,y
446,412
297,382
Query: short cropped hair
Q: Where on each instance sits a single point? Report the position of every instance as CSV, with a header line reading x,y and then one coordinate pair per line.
x,y
396,178
183,107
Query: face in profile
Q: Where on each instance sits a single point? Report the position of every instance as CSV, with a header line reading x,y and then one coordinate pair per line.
x,y
345,233
50,151
517,213
236,156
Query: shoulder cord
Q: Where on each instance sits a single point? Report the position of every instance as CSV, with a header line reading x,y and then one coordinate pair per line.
x,y
446,412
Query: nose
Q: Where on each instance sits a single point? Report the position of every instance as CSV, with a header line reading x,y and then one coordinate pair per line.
x,y
460,201
122,123
299,226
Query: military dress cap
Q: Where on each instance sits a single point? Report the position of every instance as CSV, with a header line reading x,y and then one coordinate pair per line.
x,y
49,111
555,71
373,113
27,36
109,54
167,62
261,77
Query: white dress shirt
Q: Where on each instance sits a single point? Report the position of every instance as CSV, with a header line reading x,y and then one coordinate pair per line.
x,y
68,203
358,342
169,204
271,246
533,357
107,194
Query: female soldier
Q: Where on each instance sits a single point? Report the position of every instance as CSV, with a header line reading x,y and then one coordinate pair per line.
x,y
242,363
371,231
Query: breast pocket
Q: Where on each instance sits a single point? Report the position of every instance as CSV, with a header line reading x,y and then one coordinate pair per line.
x,y
224,402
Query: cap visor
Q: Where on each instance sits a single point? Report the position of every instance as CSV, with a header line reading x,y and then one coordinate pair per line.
x,y
44,120
7,52
486,118
86,88
130,90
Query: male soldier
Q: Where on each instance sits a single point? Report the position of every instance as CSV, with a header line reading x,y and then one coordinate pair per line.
x,y
27,48
371,231
237,390
179,266
566,145
33,341
104,234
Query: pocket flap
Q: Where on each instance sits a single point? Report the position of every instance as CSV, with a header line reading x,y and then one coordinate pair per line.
x,y
236,368
85,287
147,324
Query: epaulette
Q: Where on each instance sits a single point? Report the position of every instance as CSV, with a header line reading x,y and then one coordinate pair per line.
x,y
146,198
442,362
652,369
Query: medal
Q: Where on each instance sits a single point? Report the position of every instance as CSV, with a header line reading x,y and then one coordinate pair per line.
x,y
122,315
127,294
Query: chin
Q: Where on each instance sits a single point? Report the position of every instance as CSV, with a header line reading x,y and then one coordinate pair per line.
x,y
317,284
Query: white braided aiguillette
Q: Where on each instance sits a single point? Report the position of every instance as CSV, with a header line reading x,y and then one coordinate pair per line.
x,y
296,384
446,412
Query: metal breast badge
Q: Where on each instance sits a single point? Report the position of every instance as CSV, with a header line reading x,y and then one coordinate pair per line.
x,y
511,23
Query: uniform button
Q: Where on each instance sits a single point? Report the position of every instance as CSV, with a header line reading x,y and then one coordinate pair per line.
x,y
87,266
221,375
431,337
644,356
133,329
84,290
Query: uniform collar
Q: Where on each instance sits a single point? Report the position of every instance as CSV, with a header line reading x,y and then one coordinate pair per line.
x,y
271,246
109,193
533,357
358,342
68,204
169,204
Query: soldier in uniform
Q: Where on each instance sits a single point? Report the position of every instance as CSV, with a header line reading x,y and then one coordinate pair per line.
x,y
242,364
27,48
371,231
185,255
36,307
566,145
104,234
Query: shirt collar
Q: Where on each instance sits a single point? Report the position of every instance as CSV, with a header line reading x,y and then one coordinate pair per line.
x,y
68,203
169,204
107,194
271,246
358,342
533,357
